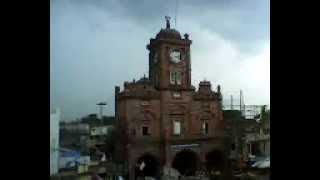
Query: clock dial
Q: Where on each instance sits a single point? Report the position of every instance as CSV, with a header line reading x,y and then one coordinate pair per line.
x,y
175,56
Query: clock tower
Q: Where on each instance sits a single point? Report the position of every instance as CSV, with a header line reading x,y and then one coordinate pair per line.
x,y
169,60
163,121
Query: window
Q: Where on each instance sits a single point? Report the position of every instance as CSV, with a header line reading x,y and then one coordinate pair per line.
x,y
145,131
156,79
105,130
172,77
205,128
176,77
249,148
176,127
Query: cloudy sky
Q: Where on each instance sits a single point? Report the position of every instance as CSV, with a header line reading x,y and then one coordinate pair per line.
x,y
98,44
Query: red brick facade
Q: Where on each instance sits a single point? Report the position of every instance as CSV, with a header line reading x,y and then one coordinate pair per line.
x,y
152,105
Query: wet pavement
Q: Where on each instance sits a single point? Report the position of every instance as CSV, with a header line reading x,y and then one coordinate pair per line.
x,y
263,177
253,176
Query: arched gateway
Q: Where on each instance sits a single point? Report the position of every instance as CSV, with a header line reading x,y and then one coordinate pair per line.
x,y
186,162
216,160
147,166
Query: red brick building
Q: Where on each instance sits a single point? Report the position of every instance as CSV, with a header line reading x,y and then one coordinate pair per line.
x,y
163,120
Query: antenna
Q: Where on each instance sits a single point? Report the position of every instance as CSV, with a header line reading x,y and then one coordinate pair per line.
x,y
242,105
240,101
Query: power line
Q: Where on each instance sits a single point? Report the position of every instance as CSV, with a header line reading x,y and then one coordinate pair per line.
x,y
176,12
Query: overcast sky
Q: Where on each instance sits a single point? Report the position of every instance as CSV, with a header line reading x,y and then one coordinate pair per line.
x,y
98,44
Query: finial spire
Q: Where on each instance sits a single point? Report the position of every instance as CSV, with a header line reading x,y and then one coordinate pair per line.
x,y
168,21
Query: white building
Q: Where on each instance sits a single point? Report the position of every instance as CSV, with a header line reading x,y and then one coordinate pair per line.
x,y
260,142
54,141
101,130
70,159
76,126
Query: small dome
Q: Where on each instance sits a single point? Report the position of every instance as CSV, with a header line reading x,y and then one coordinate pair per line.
x,y
168,34
143,79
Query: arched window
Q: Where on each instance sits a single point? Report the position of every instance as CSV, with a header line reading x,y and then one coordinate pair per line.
x,y
176,77
205,127
176,127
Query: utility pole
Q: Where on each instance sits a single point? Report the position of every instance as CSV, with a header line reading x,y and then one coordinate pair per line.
x,y
242,109
231,103
240,102
101,104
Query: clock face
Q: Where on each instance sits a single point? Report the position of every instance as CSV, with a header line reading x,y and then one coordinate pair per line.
x,y
175,56
155,57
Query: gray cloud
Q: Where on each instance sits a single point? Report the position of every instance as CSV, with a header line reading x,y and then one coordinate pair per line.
x,y
243,21
95,45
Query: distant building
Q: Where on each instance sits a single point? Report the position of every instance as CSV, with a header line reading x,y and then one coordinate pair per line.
x,y
101,128
248,136
71,159
75,127
238,127
75,135
54,141
98,132
259,143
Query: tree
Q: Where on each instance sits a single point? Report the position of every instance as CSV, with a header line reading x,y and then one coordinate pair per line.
x,y
110,142
265,119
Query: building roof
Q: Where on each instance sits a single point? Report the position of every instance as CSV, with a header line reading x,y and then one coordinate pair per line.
x,y
106,121
144,80
93,120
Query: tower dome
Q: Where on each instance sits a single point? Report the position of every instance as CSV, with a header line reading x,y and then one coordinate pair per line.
x,y
168,34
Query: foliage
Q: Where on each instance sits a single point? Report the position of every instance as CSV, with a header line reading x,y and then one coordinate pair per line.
x,y
110,142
